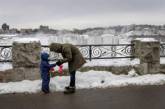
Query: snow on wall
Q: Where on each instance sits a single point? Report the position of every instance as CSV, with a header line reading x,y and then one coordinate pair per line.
x,y
5,66
147,39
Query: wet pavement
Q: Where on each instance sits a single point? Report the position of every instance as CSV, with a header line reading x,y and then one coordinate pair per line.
x,y
146,97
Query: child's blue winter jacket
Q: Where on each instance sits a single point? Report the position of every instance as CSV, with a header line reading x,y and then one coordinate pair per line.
x,y
44,68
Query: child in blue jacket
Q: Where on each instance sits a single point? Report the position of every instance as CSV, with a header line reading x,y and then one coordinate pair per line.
x,y
44,68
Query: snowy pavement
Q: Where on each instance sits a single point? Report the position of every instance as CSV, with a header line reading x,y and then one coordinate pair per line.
x,y
90,79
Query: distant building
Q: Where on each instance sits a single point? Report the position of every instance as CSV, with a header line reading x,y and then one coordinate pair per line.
x,y
13,31
44,29
26,31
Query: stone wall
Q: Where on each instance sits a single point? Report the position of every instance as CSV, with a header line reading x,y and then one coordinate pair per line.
x,y
148,51
26,54
25,61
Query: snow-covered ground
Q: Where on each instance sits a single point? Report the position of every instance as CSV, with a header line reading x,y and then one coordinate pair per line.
x,y
90,79
112,62
84,80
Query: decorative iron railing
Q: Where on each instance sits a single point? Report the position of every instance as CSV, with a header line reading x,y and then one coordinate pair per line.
x,y
88,51
105,51
5,53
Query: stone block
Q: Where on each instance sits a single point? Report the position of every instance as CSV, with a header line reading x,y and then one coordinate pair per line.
x,y
26,73
19,74
162,68
26,54
25,61
32,73
153,68
148,51
142,68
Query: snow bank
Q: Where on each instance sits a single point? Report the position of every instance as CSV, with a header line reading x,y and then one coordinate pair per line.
x,y
162,60
5,66
90,79
27,40
112,62
8,35
147,39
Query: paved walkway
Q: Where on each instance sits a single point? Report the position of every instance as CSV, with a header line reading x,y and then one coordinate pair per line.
x,y
148,97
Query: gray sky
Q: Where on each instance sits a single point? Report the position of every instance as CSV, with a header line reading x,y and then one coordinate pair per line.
x,y
81,13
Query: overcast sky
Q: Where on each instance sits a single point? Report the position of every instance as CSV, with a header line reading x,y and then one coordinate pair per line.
x,y
81,13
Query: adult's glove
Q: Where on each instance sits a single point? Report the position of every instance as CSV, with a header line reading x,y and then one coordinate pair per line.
x,y
58,63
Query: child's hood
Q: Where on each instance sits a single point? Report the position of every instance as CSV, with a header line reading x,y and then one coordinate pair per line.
x,y
44,56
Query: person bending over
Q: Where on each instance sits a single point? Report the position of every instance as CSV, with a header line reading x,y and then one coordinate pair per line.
x,y
73,56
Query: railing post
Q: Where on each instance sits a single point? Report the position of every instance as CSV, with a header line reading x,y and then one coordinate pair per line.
x,y
90,52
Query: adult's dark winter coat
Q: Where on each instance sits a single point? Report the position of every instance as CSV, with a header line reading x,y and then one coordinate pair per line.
x,y
70,54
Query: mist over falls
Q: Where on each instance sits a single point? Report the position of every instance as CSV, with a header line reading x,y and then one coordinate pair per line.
x,y
107,35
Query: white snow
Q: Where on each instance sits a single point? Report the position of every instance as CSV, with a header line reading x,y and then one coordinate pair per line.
x,y
27,40
90,79
147,39
112,62
8,35
5,66
162,60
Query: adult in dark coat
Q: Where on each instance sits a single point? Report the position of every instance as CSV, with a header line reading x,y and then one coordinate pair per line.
x,y
44,69
73,56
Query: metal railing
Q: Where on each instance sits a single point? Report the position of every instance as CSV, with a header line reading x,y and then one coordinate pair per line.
x,y
6,53
90,52
105,51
